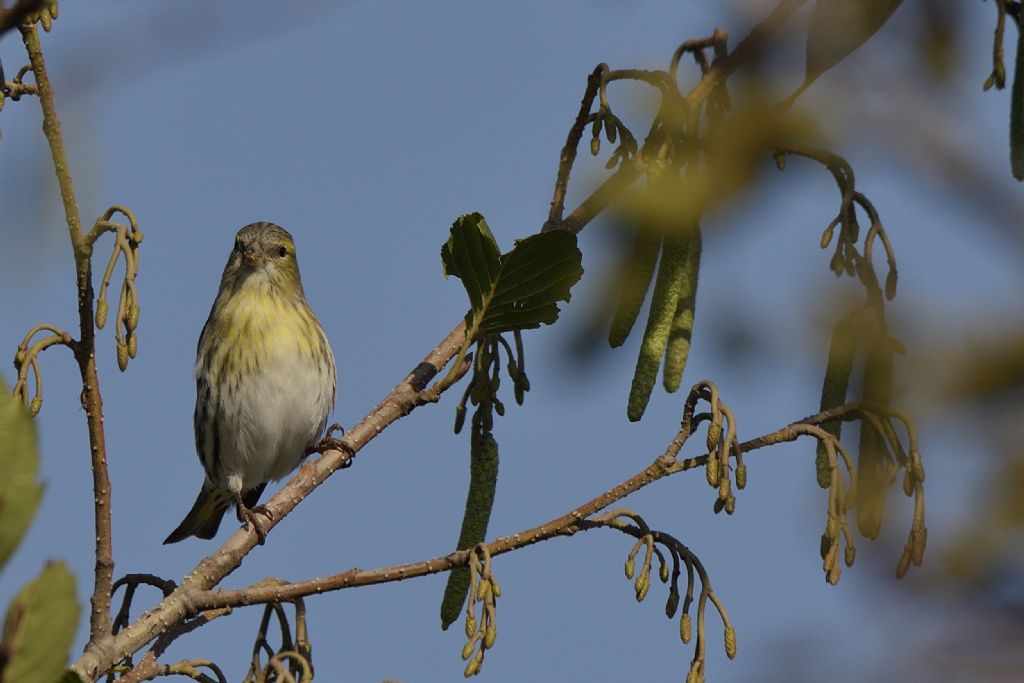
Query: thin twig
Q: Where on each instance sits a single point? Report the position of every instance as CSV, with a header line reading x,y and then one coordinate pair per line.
x,y
568,154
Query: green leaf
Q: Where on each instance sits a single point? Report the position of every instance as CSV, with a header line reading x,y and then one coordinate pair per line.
x,y
469,222
838,27
514,291
483,480
70,676
19,465
40,627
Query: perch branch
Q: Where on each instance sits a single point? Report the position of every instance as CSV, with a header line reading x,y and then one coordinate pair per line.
x,y
568,524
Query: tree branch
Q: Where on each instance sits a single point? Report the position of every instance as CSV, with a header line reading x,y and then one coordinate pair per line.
x,y
569,524
85,349
749,49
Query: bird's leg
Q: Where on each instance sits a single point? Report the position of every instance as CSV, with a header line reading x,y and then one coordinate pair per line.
x,y
247,515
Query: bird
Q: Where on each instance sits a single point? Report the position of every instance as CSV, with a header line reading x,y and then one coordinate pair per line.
x,y
265,381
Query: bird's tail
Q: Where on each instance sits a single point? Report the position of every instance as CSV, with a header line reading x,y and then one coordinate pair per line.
x,y
203,520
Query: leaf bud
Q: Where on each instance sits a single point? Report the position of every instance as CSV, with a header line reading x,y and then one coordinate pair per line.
x,y
730,642
826,237
460,417
685,628
472,669
122,356
642,585
131,320
490,635
101,313
672,604
741,476
711,470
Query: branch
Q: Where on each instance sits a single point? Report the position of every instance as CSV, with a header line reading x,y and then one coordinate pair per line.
x,y
572,143
85,349
569,524
27,358
749,49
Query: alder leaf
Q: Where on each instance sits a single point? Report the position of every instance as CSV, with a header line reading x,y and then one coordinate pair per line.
x,y
39,628
514,291
19,465
838,27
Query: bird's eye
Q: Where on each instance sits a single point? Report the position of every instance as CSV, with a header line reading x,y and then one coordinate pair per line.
x,y
238,245
282,252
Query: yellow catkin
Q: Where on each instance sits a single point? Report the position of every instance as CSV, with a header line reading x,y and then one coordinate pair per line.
x,y
659,324
678,348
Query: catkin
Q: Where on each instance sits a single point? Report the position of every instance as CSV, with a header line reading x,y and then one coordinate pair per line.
x,y
483,478
636,280
659,323
681,332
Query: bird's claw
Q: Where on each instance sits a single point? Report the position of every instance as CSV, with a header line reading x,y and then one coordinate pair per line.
x,y
330,442
249,517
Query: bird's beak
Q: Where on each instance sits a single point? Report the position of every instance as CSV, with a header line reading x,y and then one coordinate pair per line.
x,y
251,256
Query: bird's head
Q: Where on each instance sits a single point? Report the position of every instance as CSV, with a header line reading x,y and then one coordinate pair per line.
x,y
264,254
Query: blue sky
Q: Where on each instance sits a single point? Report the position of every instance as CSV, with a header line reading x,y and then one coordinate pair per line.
x,y
365,128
